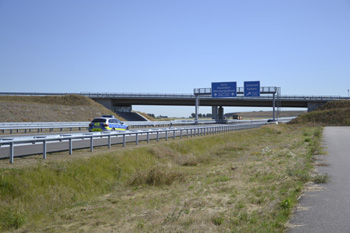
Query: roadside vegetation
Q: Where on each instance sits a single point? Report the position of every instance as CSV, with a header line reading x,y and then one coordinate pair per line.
x,y
243,181
332,113
66,108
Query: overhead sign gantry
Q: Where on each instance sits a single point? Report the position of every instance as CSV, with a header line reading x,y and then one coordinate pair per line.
x,y
230,90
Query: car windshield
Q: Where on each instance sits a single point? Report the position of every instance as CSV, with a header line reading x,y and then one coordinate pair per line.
x,y
99,120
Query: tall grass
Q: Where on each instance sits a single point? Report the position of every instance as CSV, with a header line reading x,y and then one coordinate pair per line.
x,y
31,193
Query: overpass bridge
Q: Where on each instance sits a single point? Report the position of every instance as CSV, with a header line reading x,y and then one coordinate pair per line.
x,y
128,99
119,102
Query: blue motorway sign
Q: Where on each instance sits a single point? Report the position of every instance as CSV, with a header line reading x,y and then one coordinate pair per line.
x,y
252,89
224,89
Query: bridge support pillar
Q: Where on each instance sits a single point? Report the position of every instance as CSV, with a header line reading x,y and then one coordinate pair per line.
x,y
221,113
214,112
196,109
217,113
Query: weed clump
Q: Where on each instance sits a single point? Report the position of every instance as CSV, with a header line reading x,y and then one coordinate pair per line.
x,y
321,179
156,176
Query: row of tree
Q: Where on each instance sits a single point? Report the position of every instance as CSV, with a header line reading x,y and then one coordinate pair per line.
x,y
200,115
193,115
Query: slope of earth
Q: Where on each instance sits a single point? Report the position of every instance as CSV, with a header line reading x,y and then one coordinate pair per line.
x,y
68,108
335,113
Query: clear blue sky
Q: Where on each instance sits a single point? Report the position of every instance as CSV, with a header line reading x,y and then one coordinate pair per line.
x,y
164,46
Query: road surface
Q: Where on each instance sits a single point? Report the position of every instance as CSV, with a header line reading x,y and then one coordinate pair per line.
x,y
326,207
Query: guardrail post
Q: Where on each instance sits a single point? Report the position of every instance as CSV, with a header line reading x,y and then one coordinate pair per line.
x,y
157,136
109,142
44,149
70,146
91,143
174,132
137,138
124,140
147,137
166,135
12,151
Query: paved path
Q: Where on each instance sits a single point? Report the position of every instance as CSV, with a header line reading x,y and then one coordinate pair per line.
x,y
326,207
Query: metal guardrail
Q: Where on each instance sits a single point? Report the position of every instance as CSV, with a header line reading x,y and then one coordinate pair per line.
x,y
193,131
39,126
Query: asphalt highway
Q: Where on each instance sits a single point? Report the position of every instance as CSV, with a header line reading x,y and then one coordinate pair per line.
x,y
83,140
325,208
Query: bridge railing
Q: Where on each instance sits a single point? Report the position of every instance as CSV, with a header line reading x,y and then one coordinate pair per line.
x,y
155,95
137,95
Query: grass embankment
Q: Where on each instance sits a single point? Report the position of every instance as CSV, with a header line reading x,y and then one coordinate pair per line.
x,y
66,108
269,114
244,181
332,113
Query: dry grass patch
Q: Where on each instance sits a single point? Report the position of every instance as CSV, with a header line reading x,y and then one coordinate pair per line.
x,y
50,109
244,181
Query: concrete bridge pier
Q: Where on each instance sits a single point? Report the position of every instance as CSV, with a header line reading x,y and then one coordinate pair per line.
x,y
217,113
214,112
